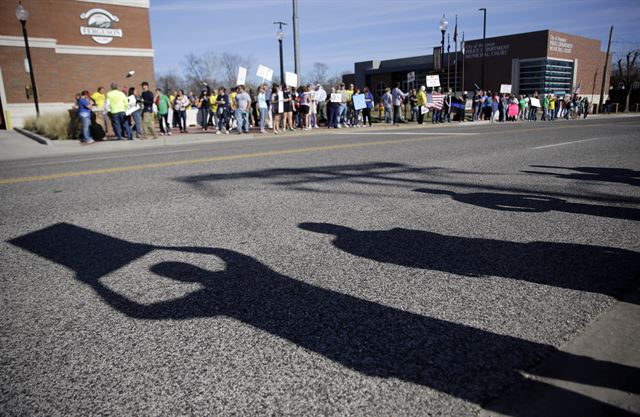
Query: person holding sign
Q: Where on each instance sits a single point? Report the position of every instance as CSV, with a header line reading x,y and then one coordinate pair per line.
x,y
359,98
334,109
288,108
421,103
535,103
366,112
277,106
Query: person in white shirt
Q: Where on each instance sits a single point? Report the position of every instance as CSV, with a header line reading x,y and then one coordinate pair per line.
x,y
321,101
397,97
180,104
134,111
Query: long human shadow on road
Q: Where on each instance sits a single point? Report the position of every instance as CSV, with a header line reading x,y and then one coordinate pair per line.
x,y
601,174
383,174
531,203
367,337
597,269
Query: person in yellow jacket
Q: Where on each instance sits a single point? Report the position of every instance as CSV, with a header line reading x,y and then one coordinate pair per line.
x,y
99,99
422,102
214,108
552,108
117,103
232,107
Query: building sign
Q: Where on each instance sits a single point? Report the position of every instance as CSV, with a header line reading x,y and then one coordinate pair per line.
x,y
474,50
433,81
437,62
100,26
560,44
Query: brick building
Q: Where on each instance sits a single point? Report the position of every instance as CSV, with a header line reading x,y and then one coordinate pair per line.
x,y
75,45
544,61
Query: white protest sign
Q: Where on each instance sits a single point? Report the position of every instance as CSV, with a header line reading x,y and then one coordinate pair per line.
x,y
291,79
411,77
505,88
359,102
336,98
280,102
242,76
265,73
535,102
433,81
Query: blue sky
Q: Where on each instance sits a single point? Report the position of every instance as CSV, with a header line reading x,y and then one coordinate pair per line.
x,y
341,32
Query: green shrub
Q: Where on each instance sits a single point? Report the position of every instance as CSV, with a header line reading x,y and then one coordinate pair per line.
x,y
52,126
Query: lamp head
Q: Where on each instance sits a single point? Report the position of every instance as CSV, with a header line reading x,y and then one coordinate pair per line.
x,y
443,24
280,35
21,13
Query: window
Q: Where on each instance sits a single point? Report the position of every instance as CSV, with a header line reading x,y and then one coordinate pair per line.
x,y
380,90
545,76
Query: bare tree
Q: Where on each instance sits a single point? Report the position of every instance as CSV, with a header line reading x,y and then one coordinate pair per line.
x,y
169,81
628,75
318,74
200,69
334,80
229,64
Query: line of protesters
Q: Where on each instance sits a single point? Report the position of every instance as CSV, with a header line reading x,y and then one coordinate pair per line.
x,y
281,108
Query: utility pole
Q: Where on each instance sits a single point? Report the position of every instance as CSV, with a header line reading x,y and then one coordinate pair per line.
x,y
604,74
296,45
462,46
484,38
448,64
455,60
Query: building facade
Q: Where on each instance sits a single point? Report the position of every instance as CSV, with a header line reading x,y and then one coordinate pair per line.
x,y
75,45
544,61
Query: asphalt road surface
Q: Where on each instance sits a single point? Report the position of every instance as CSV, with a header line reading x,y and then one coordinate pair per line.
x,y
352,272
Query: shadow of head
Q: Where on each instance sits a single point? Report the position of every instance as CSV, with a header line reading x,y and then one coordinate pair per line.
x,y
182,271
434,191
325,228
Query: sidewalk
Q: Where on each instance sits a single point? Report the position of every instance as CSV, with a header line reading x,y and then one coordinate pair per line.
x,y
597,374
15,146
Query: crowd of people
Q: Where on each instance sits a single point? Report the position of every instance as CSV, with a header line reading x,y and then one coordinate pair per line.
x,y
280,108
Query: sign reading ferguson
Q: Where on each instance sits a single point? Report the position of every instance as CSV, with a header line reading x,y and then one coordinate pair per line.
x,y
100,26
474,50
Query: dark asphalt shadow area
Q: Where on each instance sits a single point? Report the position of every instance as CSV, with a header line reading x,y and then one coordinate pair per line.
x,y
600,174
589,268
368,337
532,203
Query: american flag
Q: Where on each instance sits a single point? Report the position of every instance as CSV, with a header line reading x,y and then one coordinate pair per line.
x,y
436,101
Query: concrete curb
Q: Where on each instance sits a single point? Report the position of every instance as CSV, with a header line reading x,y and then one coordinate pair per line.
x,y
31,135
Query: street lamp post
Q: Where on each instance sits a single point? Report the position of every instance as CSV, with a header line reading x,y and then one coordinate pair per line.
x,y
484,36
22,14
280,36
448,64
443,28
